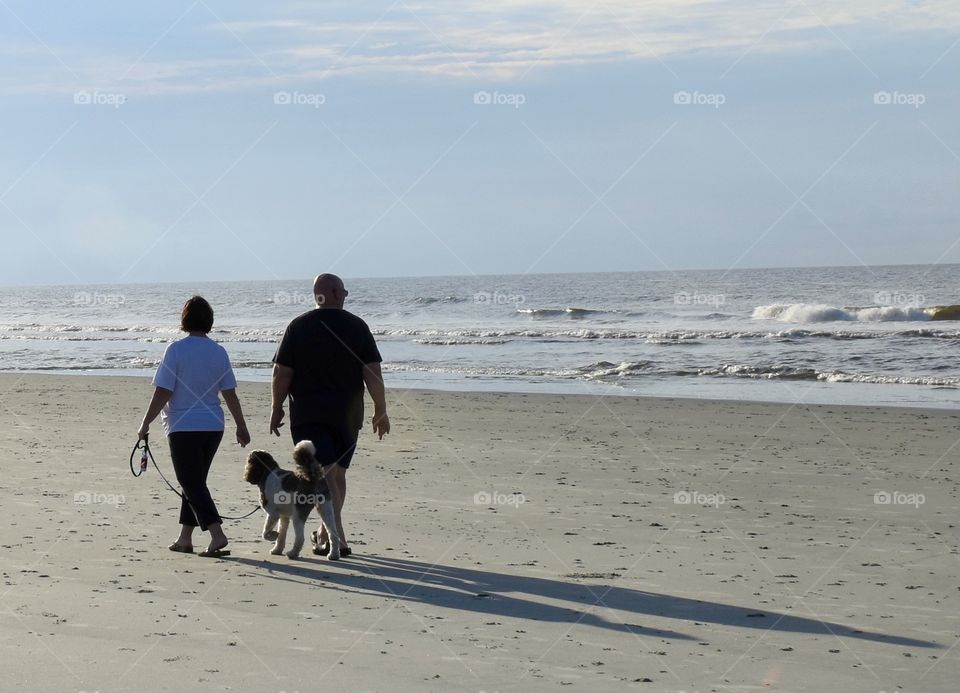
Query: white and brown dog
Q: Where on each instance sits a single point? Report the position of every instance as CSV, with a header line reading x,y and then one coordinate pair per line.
x,y
290,496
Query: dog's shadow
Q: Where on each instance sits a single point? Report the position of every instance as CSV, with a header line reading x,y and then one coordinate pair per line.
x,y
545,599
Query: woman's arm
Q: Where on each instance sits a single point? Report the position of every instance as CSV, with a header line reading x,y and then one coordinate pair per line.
x,y
160,398
233,404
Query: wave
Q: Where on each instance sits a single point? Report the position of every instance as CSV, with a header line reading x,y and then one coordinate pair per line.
x,y
605,369
563,312
657,336
430,300
819,312
608,371
791,373
945,312
479,336
457,341
622,373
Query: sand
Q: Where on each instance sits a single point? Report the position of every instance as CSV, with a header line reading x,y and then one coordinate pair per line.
x,y
503,542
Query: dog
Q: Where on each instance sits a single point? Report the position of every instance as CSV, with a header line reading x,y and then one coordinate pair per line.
x,y
290,496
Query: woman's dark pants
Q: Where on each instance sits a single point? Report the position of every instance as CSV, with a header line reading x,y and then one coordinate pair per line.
x,y
192,453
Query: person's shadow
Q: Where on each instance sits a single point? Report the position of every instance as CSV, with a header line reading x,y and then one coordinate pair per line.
x,y
527,597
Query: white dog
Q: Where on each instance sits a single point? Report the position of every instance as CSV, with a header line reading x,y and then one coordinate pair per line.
x,y
287,496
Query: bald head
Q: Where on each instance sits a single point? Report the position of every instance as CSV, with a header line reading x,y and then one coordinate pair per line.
x,y
328,290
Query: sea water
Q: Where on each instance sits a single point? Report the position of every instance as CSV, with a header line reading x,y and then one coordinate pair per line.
x,y
851,335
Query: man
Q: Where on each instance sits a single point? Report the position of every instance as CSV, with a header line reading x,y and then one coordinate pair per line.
x,y
325,358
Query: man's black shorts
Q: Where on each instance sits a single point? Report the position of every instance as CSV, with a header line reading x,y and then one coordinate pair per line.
x,y
334,444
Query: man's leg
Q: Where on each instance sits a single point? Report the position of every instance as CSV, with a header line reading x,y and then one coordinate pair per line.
x,y
340,474
335,476
335,448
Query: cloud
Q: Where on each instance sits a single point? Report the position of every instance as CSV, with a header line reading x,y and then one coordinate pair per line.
x,y
271,44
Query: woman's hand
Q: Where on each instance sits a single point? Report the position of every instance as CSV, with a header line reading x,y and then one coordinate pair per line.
x,y
243,435
160,398
236,411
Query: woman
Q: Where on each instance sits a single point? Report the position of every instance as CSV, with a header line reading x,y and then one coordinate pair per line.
x,y
194,371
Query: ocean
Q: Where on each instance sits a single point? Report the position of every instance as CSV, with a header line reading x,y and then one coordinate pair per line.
x,y
846,335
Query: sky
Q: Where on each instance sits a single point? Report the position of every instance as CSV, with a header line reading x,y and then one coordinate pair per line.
x,y
195,139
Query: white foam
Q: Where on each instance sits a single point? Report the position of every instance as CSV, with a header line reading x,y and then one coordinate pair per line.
x,y
821,312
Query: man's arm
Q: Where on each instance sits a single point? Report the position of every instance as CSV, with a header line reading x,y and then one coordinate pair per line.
x,y
282,377
373,378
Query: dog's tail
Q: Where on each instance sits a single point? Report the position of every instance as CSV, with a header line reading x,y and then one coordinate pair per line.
x,y
259,465
308,469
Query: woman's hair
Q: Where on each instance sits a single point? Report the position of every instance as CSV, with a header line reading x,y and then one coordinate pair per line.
x,y
197,315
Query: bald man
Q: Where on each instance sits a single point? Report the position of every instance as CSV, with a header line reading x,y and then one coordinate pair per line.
x,y
324,360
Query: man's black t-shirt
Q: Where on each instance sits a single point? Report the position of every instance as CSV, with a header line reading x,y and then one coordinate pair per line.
x,y
327,349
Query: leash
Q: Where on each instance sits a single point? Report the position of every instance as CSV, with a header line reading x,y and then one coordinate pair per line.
x,y
147,455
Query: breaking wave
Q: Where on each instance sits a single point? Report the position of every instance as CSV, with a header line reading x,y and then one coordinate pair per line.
x,y
563,312
820,312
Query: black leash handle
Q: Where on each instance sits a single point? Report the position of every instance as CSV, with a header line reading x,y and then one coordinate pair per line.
x,y
144,446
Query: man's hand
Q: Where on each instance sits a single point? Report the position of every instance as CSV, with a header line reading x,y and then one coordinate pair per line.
x,y
276,421
381,424
243,436
143,432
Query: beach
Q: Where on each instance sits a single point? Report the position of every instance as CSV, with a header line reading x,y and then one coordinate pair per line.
x,y
502,542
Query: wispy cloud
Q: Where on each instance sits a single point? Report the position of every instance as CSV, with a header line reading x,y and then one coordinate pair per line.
x,y
254,45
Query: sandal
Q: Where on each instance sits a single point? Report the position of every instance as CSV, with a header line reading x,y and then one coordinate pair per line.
x,y
214,553
180,548
318,548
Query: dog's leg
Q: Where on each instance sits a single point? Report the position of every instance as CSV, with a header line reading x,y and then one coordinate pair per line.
x,y
270,527
298,520
330,522
281,537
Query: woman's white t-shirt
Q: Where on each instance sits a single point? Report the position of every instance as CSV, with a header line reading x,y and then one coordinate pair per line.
x,y
196,370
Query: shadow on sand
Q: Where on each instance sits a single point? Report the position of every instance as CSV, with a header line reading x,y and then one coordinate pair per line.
x,y
521,596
